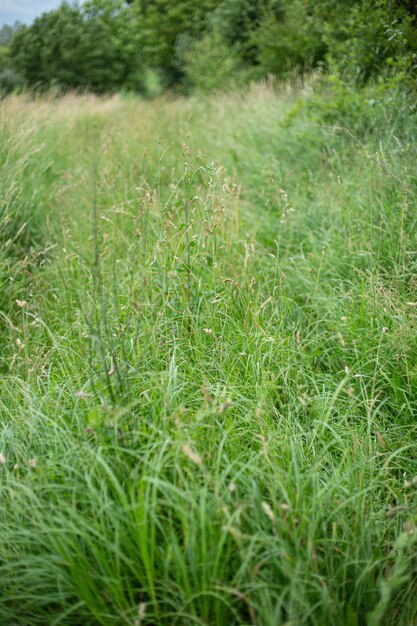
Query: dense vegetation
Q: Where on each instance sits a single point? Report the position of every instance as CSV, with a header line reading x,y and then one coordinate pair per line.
x,y
208,310
147,46
209,383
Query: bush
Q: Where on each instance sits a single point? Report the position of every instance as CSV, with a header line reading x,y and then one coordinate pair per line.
x,y
375,37
212,64
360,112
289,41
9,81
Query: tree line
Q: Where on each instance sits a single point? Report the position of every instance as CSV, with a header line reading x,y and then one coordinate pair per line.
x,y
151,45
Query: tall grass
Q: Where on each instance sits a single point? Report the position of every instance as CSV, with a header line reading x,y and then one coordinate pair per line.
x,y
209,384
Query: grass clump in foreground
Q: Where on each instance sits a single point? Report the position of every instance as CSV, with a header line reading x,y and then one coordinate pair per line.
x,y
209,378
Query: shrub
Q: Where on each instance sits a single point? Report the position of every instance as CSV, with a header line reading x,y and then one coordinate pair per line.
x,y
212,64
289,41
9,81
374,37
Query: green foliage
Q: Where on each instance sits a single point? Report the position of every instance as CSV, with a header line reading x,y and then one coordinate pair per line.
x,y
9,80
24,191
74,49
212,64
374,37
115,24
236,19
209,381
290,41
108,45
160,26
5,61
362,111
7,33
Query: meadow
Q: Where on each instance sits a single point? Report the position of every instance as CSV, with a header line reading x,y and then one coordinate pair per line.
x,y
208,384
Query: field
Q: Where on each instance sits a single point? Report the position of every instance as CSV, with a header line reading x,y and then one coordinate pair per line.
x,y
208,384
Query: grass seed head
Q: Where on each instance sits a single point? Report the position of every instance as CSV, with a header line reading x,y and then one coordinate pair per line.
x,y
193,456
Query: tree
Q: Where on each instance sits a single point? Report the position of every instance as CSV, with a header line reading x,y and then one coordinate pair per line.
x,y
163,26
107,45
77,47
7,32
375,35
290,38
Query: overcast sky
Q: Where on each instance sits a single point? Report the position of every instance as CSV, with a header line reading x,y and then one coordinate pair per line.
x,y
24,10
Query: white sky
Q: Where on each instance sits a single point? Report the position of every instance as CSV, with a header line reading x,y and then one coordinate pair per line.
x,y
24,10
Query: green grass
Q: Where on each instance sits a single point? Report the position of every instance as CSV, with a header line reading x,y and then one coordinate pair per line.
x,y
208,367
